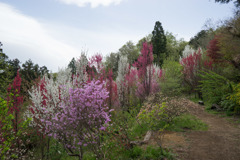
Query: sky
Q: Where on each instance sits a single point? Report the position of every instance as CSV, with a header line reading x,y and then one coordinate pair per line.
x,y
52,32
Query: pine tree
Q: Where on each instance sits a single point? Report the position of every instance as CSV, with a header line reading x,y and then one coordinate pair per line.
x,y
159,43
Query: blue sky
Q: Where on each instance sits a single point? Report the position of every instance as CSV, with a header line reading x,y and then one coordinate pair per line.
x,y
52,32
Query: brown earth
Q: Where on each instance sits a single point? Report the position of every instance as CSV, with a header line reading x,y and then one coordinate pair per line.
x,y
220,142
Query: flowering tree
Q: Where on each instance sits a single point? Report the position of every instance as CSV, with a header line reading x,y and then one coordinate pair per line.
x,y
213,51
13,139
96,68
131,81
81,72
147,84
112,89
122,71
15,100
191,66
188,50
82,117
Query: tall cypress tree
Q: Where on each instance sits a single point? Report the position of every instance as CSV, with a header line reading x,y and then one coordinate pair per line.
x,y
159,43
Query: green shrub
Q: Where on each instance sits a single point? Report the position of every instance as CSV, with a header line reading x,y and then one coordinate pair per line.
x,y
234,98
187,121
157,153
172,78
214,87
13,144
6,136
156,118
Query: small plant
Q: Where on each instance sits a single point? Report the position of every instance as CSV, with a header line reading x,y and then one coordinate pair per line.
x,y
187,121
155,118
234,99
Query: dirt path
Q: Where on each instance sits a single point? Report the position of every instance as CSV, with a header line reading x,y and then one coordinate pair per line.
x,y
220,142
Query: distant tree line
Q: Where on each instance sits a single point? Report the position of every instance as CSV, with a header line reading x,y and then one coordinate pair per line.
x,y
28,71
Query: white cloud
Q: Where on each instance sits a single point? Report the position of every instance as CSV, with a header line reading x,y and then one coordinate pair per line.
x,y
54,45
93,3
25,38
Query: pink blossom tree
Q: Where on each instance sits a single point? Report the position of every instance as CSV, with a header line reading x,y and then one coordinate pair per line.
x,y
82,117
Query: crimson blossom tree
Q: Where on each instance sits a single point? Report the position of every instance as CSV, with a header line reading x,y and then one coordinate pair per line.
x,y
14,99
147,83
191,66
213,51
16,131
112,89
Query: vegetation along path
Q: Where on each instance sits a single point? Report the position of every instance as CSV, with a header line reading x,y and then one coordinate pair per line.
x,y
220,142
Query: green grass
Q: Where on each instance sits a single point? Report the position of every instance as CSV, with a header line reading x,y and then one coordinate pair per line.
x,y
150,153
185,122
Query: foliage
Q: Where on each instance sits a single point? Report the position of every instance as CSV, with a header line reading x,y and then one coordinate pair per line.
x,y
5,73
214,87
237,2
15,101
153,153
159,43
30,72
224,48
119,133
174,47
13,141
234,99
171,81
124,129
144,40
14,67
186,121
201,39
155,118
72,65
129,50
112,63
6,138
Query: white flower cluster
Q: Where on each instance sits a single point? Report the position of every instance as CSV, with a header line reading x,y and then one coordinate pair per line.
x,y
188,50
123,68
157,71
81,65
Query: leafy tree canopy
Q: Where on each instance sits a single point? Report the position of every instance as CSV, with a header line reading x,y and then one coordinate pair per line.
x,y
236,2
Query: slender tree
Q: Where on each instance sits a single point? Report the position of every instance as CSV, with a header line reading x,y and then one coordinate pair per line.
x,y
159,43
72,65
